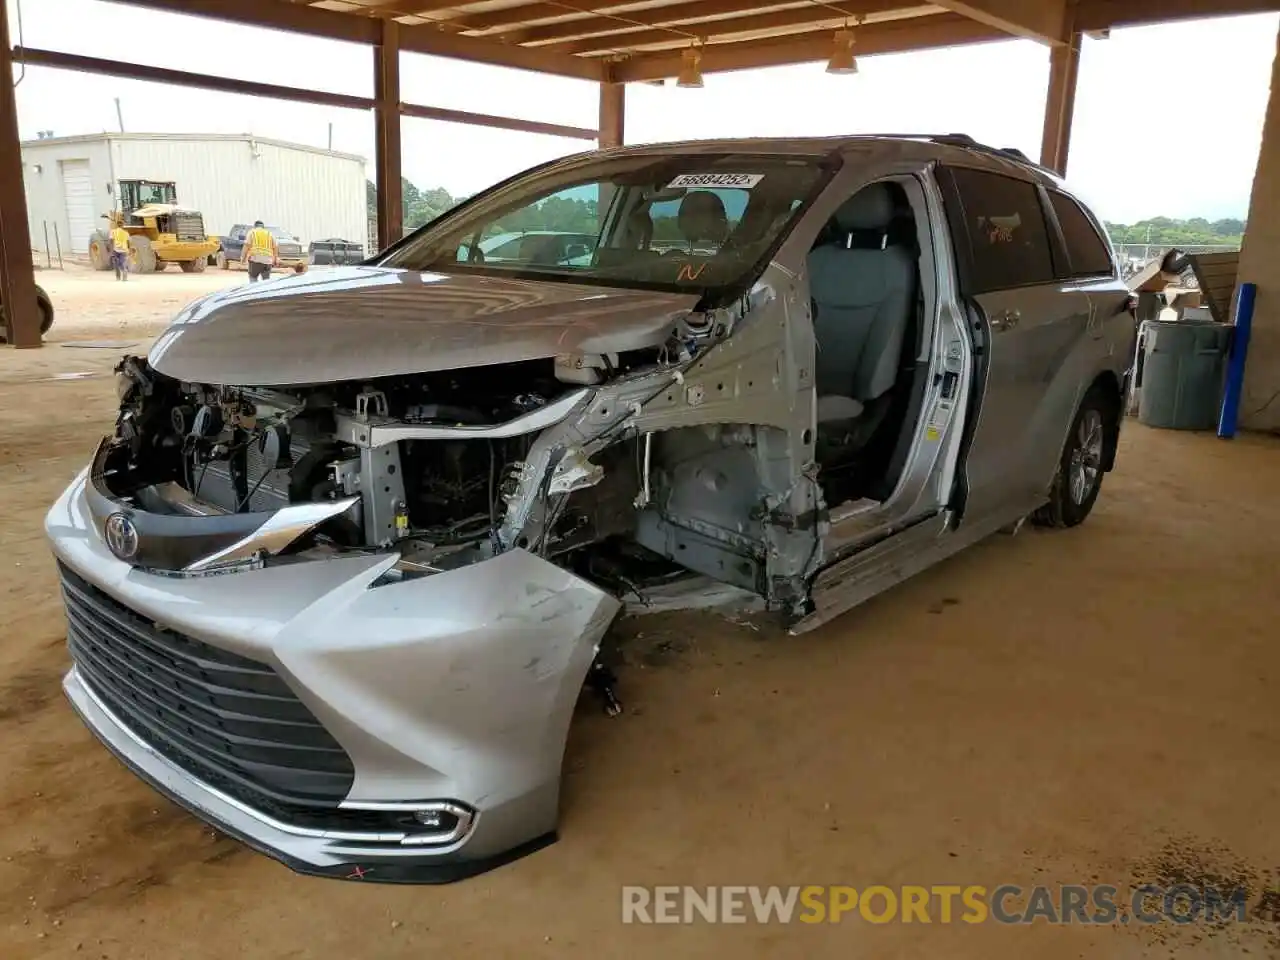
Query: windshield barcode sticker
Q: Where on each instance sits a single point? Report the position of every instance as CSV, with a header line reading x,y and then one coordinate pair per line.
x,y
743,180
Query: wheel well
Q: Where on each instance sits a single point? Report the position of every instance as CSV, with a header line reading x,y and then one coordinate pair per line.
x,y
1107,387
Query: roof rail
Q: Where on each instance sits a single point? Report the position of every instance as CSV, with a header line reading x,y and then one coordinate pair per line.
x,y
966,142
1009,153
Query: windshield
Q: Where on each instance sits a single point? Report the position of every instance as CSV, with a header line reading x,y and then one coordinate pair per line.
x,y
149,193
693,222
281,234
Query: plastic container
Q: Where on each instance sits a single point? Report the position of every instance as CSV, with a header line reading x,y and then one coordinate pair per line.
x,y
1183,366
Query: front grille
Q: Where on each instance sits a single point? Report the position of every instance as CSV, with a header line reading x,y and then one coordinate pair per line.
x,y
228,720
188,227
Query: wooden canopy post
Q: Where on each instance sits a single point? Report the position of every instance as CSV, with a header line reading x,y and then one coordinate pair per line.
x,y
613,107
1060,102
17,279
386,122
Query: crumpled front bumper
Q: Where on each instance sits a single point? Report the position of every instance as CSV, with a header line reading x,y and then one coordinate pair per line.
x,y
454,688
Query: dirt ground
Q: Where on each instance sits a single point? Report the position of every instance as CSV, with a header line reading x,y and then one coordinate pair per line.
x,y
1089,706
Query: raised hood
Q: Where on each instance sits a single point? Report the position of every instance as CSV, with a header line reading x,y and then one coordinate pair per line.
x,y
357,323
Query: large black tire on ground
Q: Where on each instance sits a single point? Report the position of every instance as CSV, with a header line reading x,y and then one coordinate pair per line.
x,y
46,310
1080,470
142,256
193,266
43,303
100,251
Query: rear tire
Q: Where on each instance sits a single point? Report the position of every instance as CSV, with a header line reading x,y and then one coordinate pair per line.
x,y
1079,476
193,266
142,256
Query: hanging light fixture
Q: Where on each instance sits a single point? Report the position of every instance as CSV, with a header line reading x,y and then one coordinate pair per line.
x,y
842,58
690,74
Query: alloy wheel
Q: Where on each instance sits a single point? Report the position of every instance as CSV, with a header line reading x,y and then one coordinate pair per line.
x,y
1086,458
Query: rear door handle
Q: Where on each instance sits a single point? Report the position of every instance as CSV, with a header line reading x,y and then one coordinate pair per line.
x,y
1006,320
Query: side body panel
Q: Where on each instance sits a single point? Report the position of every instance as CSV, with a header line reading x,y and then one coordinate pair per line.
x,y
1040,347
1039,358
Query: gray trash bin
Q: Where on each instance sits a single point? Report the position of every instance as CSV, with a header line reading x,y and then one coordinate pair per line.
x,y
1183,366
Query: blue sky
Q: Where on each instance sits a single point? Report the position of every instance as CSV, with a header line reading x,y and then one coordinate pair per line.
x,y
1136,147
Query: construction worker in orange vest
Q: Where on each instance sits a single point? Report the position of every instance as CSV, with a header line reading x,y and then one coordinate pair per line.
x,y
119,246
260,252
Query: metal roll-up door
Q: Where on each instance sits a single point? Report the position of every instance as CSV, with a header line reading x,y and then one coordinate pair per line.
x,y
77,192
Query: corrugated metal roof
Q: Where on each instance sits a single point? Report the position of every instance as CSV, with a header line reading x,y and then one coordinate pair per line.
x,y
193,137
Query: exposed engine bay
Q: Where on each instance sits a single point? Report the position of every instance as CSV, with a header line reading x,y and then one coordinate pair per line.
x,y
452,467
242,450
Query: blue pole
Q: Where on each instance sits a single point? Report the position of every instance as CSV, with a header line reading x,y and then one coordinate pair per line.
x,y
1235,361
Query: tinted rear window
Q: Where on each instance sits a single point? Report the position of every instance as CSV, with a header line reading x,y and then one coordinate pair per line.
x,y
1005,225
1086,250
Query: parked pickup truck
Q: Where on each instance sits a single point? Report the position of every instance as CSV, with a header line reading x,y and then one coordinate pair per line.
x,y
291,253
335,252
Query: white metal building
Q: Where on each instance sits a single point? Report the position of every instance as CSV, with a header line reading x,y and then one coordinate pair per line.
x,y
230,178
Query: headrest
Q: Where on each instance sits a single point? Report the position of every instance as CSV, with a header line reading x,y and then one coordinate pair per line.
x,y
702,218
871,208
538,249
637,229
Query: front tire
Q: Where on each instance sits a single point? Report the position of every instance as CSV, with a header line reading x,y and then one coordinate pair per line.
x,y
1079,477
142,256
100,251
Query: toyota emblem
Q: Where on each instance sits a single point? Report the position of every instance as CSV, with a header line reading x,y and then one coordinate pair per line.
x,y
122,537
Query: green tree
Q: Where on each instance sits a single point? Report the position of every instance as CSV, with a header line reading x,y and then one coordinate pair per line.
x,y
420,206
1168,232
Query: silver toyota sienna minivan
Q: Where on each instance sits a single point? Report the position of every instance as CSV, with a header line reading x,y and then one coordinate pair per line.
x,y
339,575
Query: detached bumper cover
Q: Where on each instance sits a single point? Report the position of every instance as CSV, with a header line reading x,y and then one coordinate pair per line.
x,y
453,690
278,841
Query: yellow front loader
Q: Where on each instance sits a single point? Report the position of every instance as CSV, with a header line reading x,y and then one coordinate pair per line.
x,y
160,231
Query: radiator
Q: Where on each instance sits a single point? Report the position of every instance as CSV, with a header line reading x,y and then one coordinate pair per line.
x,y
272,492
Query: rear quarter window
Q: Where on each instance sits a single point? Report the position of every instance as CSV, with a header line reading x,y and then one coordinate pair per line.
x,y
1005,226
1087,252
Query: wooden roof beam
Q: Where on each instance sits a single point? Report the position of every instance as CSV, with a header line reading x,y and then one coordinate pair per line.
x,y
677,14
204,81
1040,20
520,19
1095,15
894,36
275,15
436,42
413,8
810,15
354,28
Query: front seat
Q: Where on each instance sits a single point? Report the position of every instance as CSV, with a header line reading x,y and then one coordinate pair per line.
x,y
702,218
863,293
